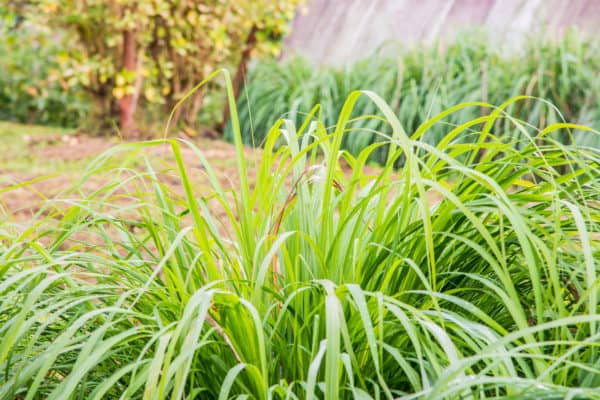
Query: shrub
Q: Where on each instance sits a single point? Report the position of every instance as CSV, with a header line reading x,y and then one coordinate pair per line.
x,y
31,88
469,272
151,53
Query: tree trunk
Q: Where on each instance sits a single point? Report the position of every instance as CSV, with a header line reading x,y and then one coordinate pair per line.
x,y
128,102
240,74
192,114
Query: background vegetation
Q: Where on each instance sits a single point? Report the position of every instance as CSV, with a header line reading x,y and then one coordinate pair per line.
x,y
34,87
65,66
421,83
126,52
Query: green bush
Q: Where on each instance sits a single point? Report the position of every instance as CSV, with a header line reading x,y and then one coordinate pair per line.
x,y
470,272
421,83
31,88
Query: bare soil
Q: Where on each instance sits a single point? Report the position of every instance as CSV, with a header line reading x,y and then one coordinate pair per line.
x,y
21,203
40,181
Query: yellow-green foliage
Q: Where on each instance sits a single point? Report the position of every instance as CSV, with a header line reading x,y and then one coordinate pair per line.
x,y
32,86
178,41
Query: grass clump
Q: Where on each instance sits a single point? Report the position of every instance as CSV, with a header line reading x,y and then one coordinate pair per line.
x,y
421,83
469,273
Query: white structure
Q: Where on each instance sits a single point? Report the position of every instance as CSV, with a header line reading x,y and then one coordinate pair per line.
x,y
337,31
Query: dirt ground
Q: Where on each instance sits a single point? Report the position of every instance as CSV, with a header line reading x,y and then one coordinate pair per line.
x,y
40,164
40,175
51,164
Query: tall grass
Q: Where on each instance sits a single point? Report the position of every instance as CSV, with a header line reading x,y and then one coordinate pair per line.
x,y
421,83
470,272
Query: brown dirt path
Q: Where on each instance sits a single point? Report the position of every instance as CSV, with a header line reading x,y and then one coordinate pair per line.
x,y
73,153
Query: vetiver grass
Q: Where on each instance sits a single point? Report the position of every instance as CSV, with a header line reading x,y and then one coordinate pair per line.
x,y
470,272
